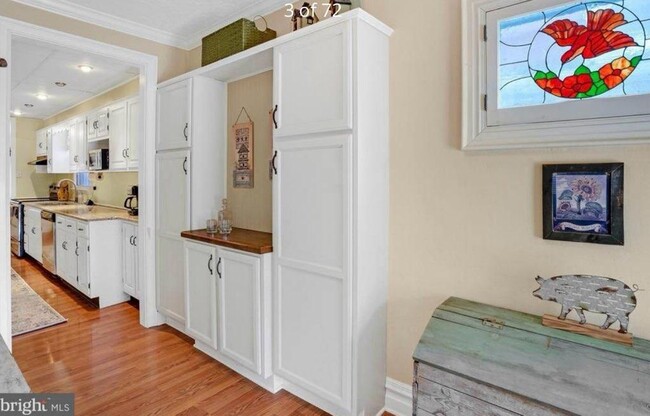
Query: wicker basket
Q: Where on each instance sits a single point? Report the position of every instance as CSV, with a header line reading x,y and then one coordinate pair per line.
x,y
234,38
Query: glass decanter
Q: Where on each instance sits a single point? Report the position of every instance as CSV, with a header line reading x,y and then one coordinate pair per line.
x,y
225,219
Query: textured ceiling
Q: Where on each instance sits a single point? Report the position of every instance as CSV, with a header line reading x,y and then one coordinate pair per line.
x,y
179,23
36,66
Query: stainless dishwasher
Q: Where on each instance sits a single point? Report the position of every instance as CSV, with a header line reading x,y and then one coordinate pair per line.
x,y
48,230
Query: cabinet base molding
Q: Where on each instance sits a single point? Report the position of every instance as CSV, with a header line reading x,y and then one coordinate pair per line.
x,y
177,325
273,383
399,398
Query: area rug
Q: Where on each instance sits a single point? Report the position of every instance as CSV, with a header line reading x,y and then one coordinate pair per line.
x,y
29,312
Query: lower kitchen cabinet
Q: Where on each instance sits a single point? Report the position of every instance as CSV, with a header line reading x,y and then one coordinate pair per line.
x,y
33,235
130,275
86,254
228,307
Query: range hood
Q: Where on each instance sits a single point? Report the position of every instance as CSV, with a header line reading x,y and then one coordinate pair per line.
x,y
39,161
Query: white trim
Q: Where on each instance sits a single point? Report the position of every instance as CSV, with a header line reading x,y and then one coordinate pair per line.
x,y
108,21
148,66
399,398
477,135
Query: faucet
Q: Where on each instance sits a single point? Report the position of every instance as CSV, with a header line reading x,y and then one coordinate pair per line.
x,y
73,184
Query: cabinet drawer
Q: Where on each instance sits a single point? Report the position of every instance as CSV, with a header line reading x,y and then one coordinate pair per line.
x,y
82,229
439,400
69,224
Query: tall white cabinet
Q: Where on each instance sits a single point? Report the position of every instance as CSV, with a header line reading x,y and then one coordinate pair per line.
x,y
330,203
190,175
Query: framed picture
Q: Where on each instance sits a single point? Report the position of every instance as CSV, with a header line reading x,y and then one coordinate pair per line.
x,y
584,203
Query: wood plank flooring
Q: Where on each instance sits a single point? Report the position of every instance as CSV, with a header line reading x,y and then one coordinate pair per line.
x,y
116,367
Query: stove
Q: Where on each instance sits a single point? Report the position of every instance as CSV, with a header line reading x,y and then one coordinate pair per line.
x,y
17,219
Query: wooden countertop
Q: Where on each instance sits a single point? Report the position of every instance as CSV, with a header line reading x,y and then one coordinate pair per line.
x,y
250,241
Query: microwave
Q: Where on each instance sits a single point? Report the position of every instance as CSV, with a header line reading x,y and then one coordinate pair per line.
x,y
98,159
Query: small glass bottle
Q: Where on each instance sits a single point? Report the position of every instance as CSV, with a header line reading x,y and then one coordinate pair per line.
x,y
225,219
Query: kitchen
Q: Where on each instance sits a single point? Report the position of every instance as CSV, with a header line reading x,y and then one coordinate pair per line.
x,y
74,211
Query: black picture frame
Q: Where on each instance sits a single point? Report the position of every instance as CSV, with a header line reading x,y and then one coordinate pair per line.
x,y
585,230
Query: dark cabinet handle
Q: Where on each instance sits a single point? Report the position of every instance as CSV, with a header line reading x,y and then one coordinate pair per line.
x,y
187,125
76,159
76,250
40,145
33,230
131,240
275,156
65,245
135,241
126,152
210,265
275,121
219,270
185,165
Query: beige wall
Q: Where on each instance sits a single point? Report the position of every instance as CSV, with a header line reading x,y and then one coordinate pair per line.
x,y
252,207
469,224
171,61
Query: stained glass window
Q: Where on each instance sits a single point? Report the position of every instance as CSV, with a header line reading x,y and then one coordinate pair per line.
x,y
577,51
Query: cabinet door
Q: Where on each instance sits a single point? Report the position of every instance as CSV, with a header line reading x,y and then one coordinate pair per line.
x,y
59,150
27,233
33,228
60,252
311,205
78,147
83,265
201,292
174,112
312,82
103,123
117,140
91,126
133,133
41,143
173,217
240,330
128,259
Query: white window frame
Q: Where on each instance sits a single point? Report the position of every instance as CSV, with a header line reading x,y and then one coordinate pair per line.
x,y
480,97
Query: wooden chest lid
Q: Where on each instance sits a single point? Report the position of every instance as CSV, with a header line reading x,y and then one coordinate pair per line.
x,y
513,351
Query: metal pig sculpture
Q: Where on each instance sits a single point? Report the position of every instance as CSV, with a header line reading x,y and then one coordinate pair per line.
x,y
590,293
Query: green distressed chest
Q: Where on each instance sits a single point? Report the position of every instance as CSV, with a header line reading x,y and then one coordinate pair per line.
x,y
476,359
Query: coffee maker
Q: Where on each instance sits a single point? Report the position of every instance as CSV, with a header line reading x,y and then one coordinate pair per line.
x,y
131,202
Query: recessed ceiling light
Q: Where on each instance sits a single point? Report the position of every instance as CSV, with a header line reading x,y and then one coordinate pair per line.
x,y
60,84
17,112
85,68
41,96
29,105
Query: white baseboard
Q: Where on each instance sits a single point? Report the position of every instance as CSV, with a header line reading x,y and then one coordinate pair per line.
x,y
399,398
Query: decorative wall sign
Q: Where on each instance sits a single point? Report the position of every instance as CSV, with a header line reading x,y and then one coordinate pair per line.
x,y
584,203
597,294
244,151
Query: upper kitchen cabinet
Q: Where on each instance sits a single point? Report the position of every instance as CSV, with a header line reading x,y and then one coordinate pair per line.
x,y
41,142
118,137
132,132
58,149
174,111
78,145
313,83
98,124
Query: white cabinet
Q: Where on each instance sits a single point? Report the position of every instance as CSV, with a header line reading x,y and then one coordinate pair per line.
x,y
33,230
201,293
98,124
330,215
133,132
58,150
240,308
173,217
313,82
78,145
89,258
118,137
130,276
41,142
228,304
190,177
125,129
174,110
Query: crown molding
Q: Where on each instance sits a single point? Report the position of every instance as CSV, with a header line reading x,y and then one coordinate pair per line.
x,y
88,15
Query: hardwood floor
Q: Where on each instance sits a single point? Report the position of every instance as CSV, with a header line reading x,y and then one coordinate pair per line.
x,y
116,367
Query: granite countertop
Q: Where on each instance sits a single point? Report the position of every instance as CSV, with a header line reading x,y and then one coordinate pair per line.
x,y
249,241
11,378
85,212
